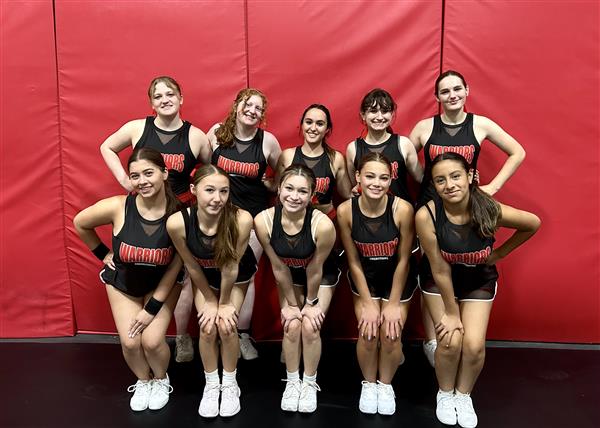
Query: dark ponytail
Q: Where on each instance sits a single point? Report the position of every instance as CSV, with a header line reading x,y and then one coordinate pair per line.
x,y
484,209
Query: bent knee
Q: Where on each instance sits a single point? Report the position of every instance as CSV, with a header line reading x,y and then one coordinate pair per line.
x,y
473,350
131,345
152,343
308,331
294,330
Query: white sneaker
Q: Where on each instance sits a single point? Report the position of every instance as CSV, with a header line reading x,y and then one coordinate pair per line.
x,y
209,404
230,399
386,399
184,348
247,350
141,395
368,398
467,418
429,348
308,397
159,396
446,409
291,395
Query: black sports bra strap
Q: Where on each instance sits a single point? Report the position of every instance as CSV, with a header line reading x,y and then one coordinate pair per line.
x,y
430,213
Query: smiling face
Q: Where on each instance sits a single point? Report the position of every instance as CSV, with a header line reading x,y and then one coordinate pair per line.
x,y
212,193
295,192
451,180
166,100
452,93
378,118
315,126
249,112
374,178
146,178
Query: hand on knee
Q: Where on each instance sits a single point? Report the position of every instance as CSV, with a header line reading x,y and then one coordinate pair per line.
x,y
308,332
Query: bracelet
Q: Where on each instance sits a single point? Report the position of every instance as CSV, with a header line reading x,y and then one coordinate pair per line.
x,y
153,306
101,251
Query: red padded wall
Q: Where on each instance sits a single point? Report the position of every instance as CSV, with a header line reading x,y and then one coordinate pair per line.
x,y
105,64
35,294
533,68
333,53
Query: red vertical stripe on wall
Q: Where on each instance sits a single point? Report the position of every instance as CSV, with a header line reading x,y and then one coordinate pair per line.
x,y
35,294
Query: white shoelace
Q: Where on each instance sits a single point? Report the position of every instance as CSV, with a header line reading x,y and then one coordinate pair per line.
x,y
292,384
141,386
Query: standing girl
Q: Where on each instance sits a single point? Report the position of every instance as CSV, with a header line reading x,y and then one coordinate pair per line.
x,y
140,272
457,233
244,150
377,111
182,146
212,239
377,233
457,131
298,240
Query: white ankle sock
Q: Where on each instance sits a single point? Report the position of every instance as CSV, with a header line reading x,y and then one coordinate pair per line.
x,y
212,377
229,378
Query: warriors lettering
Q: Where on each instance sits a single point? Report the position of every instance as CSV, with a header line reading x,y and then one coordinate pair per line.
x,y
467,152
472,258
246,169
155,256
378,249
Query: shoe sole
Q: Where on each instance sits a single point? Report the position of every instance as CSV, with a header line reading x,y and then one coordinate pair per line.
x,y
138,410
228,415
386,413
307,409
454,422
158,408
209,416
289,409
367,412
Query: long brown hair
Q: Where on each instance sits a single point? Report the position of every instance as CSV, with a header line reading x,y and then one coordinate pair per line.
x,y
484,209
226,132
227,227
154,157
330,152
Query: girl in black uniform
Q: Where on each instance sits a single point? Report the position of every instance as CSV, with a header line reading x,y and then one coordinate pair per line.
x,y
377,111
327,164
457,131
140,274
456,231
212,239
329,168
377,233
297,240
182,146
244,150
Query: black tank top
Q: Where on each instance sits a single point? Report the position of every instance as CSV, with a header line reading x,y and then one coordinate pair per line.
x,y
376,240
459,243
202,248
245,163
390,150
459,138
142,252
175,149
321,167
294,251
